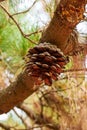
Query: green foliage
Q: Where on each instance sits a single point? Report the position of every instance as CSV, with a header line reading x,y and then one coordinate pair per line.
x,y
12,42
70,64
3,20
13,46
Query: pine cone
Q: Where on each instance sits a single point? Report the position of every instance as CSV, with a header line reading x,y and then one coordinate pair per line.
x,y
45,63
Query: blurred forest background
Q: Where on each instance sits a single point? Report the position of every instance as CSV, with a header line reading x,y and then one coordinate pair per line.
x,y
21,25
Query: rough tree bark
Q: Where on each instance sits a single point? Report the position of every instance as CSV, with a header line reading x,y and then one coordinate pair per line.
x,y
66,16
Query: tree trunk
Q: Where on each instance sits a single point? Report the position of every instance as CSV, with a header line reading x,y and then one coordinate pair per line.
x,y
66,16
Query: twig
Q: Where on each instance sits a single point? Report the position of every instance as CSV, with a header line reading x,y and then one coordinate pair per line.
x,y
38,31
54,91
45,125
22,119
72,70
26,109
30,40
17,24
25,10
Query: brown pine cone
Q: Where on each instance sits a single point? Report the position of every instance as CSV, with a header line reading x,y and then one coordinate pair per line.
x,y
45,63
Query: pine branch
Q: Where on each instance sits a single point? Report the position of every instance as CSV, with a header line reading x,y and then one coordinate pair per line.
x,y
68,14
16,92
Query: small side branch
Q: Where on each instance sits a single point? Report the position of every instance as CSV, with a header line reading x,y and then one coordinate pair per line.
x,y
77,70
21,118
24,35
27,110
23,12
